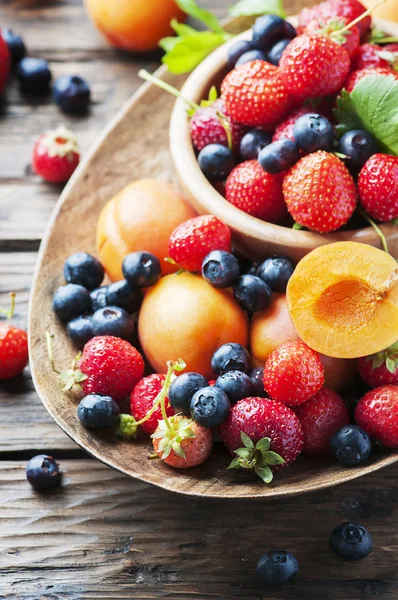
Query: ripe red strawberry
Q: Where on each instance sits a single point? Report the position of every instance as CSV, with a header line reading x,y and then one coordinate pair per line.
x,y
356,76
293,373
321,417
56,155
349,40
377,414
312,65
378,187
348,9
369,56
13,350
5,63
381,368
142,400
207,128
112,367
254,94
320,192
192,241
256,192
186,445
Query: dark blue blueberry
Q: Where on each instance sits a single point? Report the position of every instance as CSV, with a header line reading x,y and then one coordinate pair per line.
x,y
72,94
122,295
276,271
141,269
267,30
115,321
98,298
358,145
96,411
252,142
257,377
230,357
15,45
210,407
351,541
236,385
84,269
279,156
252,270
236,51
80,330
277,567
252,293
290,31
313,132
220,269
251,55
274,55
34,76
43,473
216,161
351,445
183,388
71,301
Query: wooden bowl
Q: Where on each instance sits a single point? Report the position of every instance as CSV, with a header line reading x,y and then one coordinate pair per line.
x,y
253,237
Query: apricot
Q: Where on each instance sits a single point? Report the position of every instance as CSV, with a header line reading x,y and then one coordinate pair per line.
x,y
140,217
182,316
135,25
343,299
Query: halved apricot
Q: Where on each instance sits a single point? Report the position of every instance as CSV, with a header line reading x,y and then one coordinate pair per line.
x,y
343,299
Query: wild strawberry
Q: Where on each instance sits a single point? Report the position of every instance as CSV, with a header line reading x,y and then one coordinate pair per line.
x,y
356,76
381,368
378,187
319,192
293,373
377,414
56,155
348,9
192,241
256,192
312,65
349,40
320,418
255,95
142,399
369,56
181,443
207,127
13,350
5,64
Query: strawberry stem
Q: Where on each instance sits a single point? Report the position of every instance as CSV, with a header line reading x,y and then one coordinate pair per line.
x,y
166,87
357,20
10,312
377,230
49,344
227,128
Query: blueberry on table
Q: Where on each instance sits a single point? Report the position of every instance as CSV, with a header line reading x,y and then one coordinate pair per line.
x,y
351,541
80,330
359,146
274,55
257,377
97,411
267,30
351,445
279,156
236,384
277,568
141,269
251,55
84,269
220,269
236,51
70,301
276,272
230,357
115,321
216,161
313,132
253,142
183,388
34,76
43,473
210,407
72,94
252,293
122,295
98,297
15,46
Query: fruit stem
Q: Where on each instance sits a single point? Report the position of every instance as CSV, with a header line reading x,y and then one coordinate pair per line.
x,y
377,230
227,128
49,344
166,87
10,312
387,40
357,20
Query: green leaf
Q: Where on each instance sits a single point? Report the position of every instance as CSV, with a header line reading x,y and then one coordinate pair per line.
x,y
235,464
182,29
297,226
264,444
249,8
391,365
201,14
243,452
265,473
168,43
345,114
246,441
272,458
191,50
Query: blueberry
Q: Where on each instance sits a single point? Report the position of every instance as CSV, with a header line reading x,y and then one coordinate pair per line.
x,y
96,411
216,161
277,567
276,272
236,385
358,145
71,301
210,407
84,269
257,377
72,94
279,156
274,55
252,142
236,51
251,55
141,269
80,330
120,294
290,31
220,269
183,388
313,132
230,357
351,541
34,76
15,46
43,473
252,293
351,445
98,297
115,321
267,30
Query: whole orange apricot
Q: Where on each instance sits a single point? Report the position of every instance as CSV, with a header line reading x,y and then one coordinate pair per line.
x,y
182,316
135,25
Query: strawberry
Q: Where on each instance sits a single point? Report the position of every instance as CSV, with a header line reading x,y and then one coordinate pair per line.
x,y
356,76
207,128
320,192
256,192
369,56
56,155
285,129
381,368
255,95
349,40
181,443
378,187
143,398
192,241
313,65
5,63
293,373
377,414
321,416
347,9
13,350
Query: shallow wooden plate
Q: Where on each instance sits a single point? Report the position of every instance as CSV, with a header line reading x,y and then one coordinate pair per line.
x,y
136,145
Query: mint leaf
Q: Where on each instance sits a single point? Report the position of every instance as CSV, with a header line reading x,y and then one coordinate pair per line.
x,y
201,14
190,50
248,8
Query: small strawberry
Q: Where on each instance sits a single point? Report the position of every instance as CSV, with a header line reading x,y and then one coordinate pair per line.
x,y
293,373
377,414
349,40
181,443
56,155
256,192
320,192
5,64
356,76
143,398
207,127
255,95
381,368
331,9
192,241
378,187
369,56
320,417
13,350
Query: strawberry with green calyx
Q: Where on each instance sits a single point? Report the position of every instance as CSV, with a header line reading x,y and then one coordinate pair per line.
x,y
381,368
256,458
70,378
349,39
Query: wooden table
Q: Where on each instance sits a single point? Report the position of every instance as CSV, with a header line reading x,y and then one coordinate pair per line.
x,y
103,535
